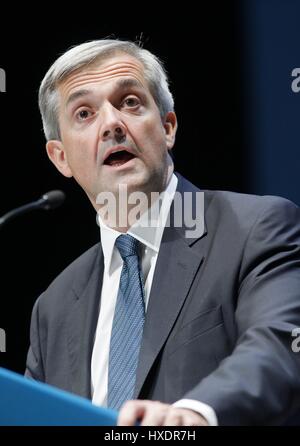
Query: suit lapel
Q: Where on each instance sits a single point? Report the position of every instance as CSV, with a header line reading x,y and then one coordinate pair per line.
x,y
82,322
176,268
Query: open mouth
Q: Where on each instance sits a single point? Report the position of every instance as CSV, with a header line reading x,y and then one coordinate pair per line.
x,y
119,158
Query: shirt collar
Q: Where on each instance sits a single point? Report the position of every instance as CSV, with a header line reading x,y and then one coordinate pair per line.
x,y
149,235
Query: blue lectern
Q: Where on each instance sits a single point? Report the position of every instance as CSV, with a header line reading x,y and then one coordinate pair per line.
x,y
24,402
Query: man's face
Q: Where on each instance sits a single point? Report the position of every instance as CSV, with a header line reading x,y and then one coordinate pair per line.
x,y
111,130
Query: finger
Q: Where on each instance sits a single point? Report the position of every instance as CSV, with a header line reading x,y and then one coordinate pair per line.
x,y
173,418
155,415
184,417
131,412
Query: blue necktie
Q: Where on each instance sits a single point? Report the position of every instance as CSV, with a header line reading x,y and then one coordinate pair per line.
x,y
127,328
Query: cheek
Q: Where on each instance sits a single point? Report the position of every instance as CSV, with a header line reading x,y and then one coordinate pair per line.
x,y
79,148
151,133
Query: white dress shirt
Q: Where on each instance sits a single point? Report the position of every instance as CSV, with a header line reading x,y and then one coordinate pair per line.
x,y
150,239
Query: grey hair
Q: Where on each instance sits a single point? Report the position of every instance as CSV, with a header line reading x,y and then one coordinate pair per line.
x,y
88,53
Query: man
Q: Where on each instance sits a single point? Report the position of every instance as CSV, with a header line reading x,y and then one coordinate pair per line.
x,y
193,328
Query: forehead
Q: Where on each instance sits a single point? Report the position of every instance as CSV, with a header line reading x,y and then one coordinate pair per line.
x,y
111,68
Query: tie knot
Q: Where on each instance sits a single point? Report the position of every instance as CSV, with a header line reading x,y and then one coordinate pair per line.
x,y
127,245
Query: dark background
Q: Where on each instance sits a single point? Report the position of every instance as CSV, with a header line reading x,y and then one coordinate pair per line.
x,y
230,67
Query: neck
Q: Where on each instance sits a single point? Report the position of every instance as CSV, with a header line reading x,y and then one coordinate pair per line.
x,y
124,209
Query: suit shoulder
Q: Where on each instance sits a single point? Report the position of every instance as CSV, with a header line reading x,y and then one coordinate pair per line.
x,y
238,203
77,273
250,206
238,215
84,261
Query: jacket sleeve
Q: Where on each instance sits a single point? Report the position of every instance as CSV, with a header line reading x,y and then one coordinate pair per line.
x,y
34,363
259,383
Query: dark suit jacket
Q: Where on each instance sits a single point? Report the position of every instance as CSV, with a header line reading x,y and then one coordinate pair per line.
x,y
219,321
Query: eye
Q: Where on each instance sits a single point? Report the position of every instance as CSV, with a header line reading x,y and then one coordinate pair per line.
x,y
131,102
83,114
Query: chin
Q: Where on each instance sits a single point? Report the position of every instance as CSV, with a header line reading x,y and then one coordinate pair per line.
x,y
142,181
144,184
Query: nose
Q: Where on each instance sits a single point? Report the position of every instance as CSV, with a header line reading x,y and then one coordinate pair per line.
x,y
112,126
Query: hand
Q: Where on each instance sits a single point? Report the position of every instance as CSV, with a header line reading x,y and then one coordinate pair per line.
x,y
154,413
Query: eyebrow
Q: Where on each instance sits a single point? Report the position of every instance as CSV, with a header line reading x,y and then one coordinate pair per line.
x,y
76,95
122,84
127,83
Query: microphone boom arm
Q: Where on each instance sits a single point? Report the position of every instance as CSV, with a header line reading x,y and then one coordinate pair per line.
x,y
48,201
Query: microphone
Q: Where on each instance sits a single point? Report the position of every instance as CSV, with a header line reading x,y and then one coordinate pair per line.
x,y
50,200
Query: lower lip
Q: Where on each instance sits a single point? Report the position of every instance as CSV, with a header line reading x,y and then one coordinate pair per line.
x,y
121,166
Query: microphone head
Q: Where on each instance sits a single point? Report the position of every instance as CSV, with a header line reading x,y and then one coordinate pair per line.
x,y
52,199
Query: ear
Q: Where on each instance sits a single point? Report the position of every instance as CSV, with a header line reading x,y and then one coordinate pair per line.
x,y
170,126
57,154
